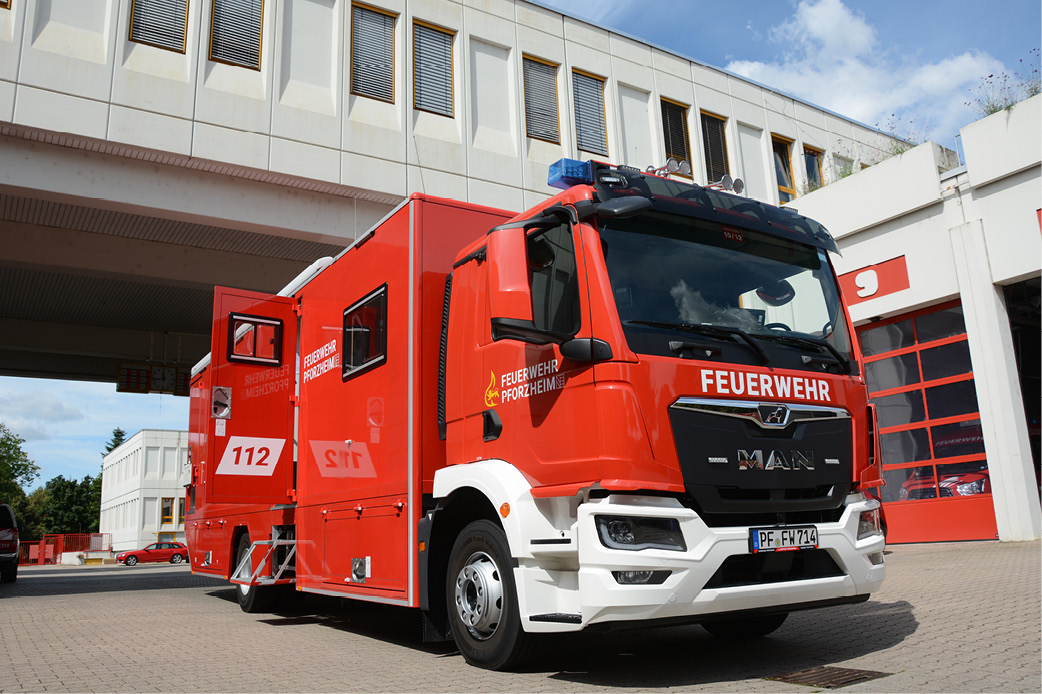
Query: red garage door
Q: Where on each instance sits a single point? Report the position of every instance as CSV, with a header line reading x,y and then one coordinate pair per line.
x,y
921,382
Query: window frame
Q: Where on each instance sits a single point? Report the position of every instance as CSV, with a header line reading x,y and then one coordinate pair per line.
x,y
787,143
181,511
277,324
703,116
351,58
819,156
260,40
451,33
556,98
349,371
603,81
164,517
130,31
686,135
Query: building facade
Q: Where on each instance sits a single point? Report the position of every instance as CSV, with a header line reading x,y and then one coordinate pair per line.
x,y
142,496
940,266
468,99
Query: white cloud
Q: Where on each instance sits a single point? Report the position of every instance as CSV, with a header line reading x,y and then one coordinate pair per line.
x,y
835,60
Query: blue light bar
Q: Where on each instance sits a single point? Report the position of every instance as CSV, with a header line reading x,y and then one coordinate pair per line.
x,y
565,173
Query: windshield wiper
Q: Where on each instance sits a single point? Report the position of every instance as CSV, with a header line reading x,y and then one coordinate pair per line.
x,y
710,331
841,360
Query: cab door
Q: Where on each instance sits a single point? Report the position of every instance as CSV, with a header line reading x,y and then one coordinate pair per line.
x,y
253,366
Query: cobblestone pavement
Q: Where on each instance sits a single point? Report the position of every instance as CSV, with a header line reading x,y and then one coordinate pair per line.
x,y
959,617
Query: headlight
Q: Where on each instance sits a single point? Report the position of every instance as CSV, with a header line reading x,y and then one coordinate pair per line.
x,y
638,532
976,487
868,524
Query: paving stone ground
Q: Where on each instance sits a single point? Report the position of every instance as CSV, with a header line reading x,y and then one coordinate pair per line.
x,y
954,617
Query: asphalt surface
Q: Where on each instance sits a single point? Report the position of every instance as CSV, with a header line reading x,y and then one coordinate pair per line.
x,y
957,617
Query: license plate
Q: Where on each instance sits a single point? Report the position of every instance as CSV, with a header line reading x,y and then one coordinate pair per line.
x,y
783,538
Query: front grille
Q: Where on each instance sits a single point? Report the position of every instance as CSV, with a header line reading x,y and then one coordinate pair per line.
x,y
774,567
737,465
726,520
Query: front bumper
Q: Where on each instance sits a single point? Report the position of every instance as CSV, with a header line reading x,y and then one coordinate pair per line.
x,y
554,599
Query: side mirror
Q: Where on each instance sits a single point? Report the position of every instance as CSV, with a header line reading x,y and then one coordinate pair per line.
x,y
510,295
776,293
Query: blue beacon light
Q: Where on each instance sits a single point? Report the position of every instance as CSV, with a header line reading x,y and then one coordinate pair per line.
x,y
565,173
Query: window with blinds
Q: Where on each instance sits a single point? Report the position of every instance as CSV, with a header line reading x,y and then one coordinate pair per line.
x,y
432,69
591,134
160,23
715,142
542,121
235,32
674,130
372,53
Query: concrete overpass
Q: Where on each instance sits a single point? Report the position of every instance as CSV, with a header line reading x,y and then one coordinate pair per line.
x,y
109,254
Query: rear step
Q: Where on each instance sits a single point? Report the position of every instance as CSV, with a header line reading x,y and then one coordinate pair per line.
x,y
242,575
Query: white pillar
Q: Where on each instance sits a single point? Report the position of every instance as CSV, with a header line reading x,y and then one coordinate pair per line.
x,y
1013,486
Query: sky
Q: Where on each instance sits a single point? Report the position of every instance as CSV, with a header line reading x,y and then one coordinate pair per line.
x,y
904,66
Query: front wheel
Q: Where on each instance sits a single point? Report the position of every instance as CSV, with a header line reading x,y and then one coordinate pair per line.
x,y
746,627
482,600
131,560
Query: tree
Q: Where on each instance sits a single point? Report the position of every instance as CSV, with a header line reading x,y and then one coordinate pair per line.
x,y
118,437
72,507
32,515
17,471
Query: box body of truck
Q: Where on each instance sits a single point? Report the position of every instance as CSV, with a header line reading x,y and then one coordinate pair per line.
x,y
638,401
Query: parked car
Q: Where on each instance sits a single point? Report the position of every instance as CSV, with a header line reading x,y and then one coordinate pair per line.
x,y
959,479
173,552
8,545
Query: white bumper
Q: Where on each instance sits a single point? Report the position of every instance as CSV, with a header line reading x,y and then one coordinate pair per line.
x,y
552,599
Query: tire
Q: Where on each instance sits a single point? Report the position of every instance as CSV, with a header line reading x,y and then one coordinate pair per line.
x,y
251,598
482,601
176,559
746,627
130,561
9,574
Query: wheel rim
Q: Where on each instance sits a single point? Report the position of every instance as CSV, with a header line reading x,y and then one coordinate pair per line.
x,y
479,595
177,559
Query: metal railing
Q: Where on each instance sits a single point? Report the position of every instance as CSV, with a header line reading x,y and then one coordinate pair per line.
x,y
50,549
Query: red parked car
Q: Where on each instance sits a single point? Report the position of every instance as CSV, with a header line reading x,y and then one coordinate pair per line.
x,y
173,552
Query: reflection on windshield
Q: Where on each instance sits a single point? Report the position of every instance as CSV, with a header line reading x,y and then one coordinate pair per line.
x,y
667,269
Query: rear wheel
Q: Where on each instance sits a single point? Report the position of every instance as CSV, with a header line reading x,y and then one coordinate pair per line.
x,y
131,560
746,627
9,574
176,559
482,600
251,598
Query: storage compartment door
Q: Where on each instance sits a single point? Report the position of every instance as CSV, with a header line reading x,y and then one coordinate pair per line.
x,y
253,367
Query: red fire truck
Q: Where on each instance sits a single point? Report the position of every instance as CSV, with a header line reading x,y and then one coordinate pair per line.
x,y
639,401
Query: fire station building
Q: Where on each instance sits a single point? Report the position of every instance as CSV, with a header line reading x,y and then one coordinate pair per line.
x,y
940,267
151,149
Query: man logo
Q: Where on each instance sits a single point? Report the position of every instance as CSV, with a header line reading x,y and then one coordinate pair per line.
x,y
774,415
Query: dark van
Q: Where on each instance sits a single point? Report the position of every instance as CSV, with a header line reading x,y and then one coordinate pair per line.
x,y
8,545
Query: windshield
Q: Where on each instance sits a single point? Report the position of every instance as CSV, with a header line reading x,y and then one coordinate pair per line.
x,y
681,281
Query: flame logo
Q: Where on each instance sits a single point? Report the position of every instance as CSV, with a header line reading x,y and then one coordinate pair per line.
x,y
491,395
